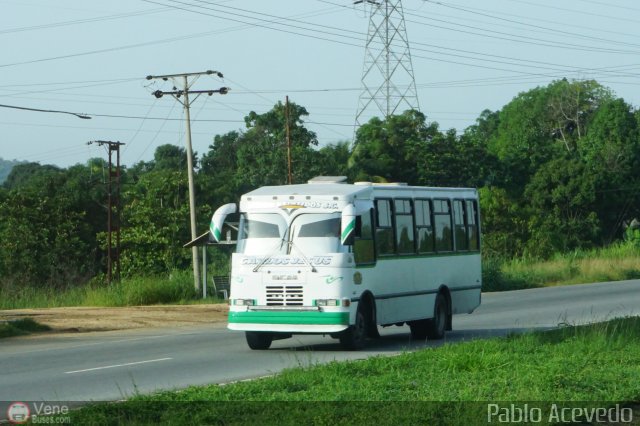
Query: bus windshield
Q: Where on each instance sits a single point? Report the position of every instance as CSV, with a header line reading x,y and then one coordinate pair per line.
x,y
267,233
317,233
261,233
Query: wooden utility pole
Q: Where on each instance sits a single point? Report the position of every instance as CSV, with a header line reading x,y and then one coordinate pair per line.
x,y
286,115
186,104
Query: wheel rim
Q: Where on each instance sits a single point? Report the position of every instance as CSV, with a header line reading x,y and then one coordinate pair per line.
x,y
441,317
359,327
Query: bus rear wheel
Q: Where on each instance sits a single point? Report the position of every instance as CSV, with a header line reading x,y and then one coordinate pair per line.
x,y
354,337
258,340
433,328
437,326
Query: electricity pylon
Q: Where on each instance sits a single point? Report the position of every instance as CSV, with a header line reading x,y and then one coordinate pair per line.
x,y
388,84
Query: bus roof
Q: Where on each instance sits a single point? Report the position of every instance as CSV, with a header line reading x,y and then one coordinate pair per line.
x,y
360,190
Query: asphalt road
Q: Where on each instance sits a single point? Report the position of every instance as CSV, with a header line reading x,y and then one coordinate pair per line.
x,y
114,365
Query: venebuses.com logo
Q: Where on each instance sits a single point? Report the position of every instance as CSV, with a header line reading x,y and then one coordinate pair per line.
x,y
38,412
18,413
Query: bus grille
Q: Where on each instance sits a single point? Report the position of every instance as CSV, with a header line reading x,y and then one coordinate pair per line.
x,y
284,295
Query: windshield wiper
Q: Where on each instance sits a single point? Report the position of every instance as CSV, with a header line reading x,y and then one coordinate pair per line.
x,y
290,244
273,253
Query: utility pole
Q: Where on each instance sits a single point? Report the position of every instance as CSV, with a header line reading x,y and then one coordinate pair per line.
x,y
177,94
286,115
113,209
388,83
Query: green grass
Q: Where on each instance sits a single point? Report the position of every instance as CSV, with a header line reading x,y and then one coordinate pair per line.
x,y
614,263
618,262
175,288
21,327
451,384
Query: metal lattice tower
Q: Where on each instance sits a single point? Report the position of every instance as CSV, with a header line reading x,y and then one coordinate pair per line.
x,y
389,86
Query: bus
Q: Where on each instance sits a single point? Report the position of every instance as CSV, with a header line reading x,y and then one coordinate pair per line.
x,y
339,259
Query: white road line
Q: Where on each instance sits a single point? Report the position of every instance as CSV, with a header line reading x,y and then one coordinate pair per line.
x,y
118,365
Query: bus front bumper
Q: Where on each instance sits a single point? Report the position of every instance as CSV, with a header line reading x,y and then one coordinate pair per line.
x,y
290,321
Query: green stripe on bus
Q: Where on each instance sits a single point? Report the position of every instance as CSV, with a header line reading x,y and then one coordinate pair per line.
x,y
350,227
280,317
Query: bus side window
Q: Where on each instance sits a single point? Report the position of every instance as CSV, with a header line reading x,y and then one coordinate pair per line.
x,y
442,219
424,226
363,247
472,225
460,232
404,226
385,244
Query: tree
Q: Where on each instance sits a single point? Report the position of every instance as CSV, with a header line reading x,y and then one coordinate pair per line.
x,y
540,124
484,167
562,196
388,150
171,157
262,149
241,161
334,159
505,228
218,180
155,226
5,168
28,174
571,106
449,160
46,237
611,152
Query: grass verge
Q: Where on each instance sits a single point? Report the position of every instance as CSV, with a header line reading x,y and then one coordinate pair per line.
x,y
587,366
614,263
21,327
175,288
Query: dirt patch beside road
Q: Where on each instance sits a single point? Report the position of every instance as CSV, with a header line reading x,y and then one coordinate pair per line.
x,y
104,319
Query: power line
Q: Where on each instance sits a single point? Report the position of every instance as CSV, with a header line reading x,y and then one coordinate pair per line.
x,y
112,80
521,39
574,11
92,128
82,21
254,24
153,139
136,45
324,28
562,24
609,4
451,6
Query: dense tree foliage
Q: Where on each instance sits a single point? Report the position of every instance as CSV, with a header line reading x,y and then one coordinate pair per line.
x,y
556,168
5,168
46,227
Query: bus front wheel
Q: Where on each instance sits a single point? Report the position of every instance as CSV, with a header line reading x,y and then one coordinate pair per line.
x,y
258,340
353,338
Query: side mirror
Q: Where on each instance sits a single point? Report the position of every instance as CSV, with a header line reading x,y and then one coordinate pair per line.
x,y
348,228
218,220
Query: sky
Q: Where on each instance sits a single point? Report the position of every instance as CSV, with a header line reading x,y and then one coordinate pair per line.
x,y
90,57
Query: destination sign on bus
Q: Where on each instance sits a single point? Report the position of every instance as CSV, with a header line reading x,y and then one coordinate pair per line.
x,y
327,205
288,261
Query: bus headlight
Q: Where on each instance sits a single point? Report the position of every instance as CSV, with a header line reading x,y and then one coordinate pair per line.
x,y
327,302
244,302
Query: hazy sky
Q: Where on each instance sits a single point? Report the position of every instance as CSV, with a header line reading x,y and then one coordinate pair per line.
x,y
92,57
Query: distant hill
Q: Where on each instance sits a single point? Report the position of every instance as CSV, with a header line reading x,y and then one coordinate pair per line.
x,y
5,168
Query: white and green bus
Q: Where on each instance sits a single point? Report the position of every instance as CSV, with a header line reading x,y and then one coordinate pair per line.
x,y
333,258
